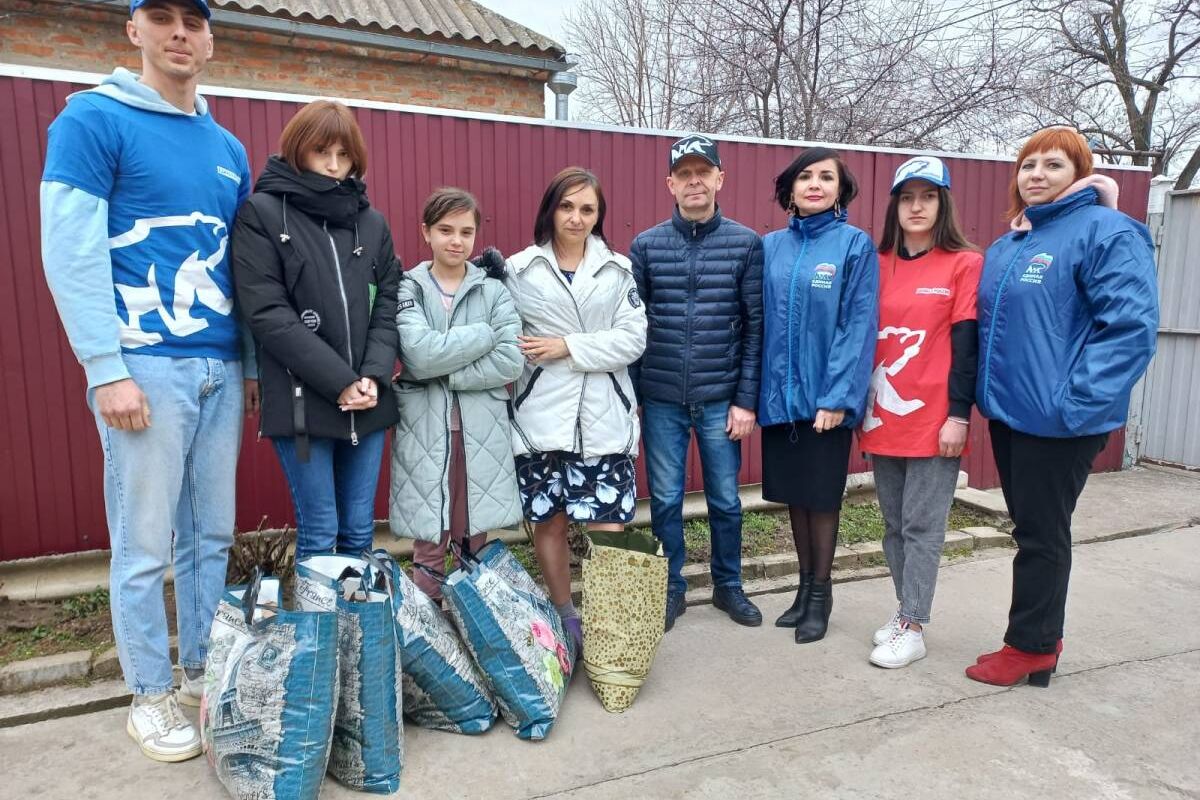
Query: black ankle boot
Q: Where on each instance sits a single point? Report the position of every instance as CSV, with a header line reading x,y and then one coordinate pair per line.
x,y
815,622
789,618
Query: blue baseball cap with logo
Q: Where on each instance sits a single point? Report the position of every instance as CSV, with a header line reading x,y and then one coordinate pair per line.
x,y
925,168
134,5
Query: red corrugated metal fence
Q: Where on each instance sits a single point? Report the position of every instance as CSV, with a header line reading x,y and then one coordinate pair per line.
x,y
51,498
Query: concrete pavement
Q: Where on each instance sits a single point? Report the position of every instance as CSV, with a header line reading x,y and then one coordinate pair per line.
x,y
731,711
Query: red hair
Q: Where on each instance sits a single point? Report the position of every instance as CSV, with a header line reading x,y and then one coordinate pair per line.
x,y
1068,140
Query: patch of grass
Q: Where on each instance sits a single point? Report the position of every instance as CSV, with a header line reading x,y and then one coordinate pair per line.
x,y
966,517
872,560
957,553
85,605
860,523
524,554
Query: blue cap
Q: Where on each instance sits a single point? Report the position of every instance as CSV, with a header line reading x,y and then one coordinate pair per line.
x,y
925,168
134,5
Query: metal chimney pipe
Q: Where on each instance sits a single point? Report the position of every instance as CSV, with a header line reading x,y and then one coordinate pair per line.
x,y
562,84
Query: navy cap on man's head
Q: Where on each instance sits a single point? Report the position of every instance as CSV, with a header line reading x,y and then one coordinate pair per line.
x,y
134,5
694,145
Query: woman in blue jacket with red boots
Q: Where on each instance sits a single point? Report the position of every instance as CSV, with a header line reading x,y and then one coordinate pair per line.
x,y
1068,314
820,308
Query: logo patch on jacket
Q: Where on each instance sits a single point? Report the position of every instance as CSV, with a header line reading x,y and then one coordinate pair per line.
x,y
311,319
823,275
1038,266
405,305
635,299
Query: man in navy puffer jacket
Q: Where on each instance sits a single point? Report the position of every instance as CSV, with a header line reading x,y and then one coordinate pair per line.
x,y
700,276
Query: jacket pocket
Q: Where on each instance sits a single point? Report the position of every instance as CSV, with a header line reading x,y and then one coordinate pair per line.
x,y
612,376
735,341
537,373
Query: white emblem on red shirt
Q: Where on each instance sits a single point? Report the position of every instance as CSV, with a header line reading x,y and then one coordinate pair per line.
x,y
881,391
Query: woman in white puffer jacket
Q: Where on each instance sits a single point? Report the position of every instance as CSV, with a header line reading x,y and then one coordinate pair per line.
x,y
575,423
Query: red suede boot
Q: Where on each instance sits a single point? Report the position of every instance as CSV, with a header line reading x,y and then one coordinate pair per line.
x,y
1010,666
1057,653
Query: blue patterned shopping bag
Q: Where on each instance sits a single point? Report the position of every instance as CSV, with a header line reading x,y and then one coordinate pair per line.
x,y
443,688
516,641
269,716
368,732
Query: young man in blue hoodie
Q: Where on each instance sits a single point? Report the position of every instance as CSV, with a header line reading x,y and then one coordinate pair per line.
x,y
700,275
139,194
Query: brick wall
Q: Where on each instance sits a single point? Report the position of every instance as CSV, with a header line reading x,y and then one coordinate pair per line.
x,y
93,40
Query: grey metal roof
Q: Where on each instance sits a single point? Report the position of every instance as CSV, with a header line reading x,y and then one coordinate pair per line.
x,y
452,19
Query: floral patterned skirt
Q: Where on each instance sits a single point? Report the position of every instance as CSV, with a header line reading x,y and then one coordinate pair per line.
x,y
597,489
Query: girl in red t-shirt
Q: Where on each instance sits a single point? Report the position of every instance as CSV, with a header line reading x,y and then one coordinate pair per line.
x,y
922,389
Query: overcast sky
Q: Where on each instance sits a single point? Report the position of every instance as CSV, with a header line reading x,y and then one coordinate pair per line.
x,y
539,15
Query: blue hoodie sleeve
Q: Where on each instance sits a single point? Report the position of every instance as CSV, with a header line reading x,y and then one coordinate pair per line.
x,y
79,273
1122,291
853,349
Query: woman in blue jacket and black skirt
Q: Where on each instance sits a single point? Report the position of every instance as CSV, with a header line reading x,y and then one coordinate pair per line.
x,y
1068,315
820,307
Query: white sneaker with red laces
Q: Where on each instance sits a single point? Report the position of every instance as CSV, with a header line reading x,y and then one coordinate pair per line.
x,y
161,730
885,633
902,648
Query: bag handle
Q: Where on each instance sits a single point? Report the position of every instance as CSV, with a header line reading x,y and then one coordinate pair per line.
x,y
383,564
462,552
250,598
440,577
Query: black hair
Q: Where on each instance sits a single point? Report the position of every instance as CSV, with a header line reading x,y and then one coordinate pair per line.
x,y
847,185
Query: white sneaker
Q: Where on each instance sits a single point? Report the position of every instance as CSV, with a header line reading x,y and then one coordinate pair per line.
x,y
161,730
191,691
885,633
902,648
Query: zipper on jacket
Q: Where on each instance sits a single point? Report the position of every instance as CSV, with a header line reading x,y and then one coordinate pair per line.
x,y
620,392
337,267
791,323
582,329
450,400
537,373
1000,290
693,250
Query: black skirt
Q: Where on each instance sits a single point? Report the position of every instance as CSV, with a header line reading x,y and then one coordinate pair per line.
x,y
801,467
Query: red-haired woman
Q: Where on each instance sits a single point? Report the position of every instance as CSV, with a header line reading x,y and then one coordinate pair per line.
x,y
1068,313
316,279
922,388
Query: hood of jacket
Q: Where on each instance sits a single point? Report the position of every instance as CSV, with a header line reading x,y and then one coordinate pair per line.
x,y
337,202
127,87
422,275
595,255
1099,189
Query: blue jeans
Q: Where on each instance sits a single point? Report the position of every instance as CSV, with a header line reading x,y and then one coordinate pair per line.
x,y
667,429
177,475
333,492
